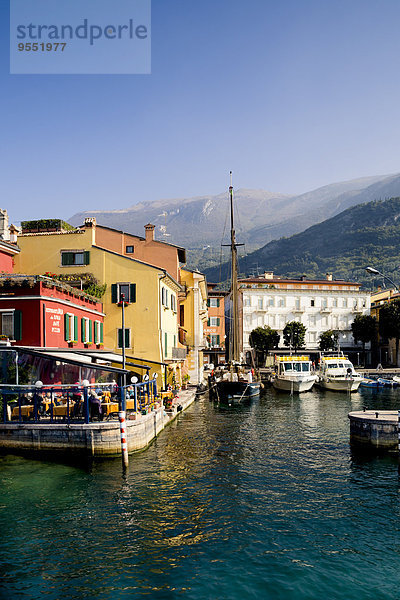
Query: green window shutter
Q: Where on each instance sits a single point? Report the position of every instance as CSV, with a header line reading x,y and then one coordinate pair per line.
x,y
67,259
101,333
127,338
166,344
83,331
208,303
114,293
119,338
217,302
17,325
90,331
75,328
217,340
218,321
163,296
95,332
66,327
86,257
133,292
208,322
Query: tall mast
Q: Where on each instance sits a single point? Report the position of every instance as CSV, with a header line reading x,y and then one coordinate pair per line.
x,y
234,345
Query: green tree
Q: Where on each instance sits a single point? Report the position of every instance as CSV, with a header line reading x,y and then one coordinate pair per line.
x,y
328,340
364,329
294,335
263,339
389,322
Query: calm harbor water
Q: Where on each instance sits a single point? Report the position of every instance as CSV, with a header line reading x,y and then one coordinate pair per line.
x,y
261,501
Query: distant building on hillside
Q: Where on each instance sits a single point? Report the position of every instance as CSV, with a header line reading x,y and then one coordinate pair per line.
x,y
319,304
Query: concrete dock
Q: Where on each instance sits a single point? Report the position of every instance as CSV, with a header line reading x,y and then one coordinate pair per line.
x,y
100,439
376,429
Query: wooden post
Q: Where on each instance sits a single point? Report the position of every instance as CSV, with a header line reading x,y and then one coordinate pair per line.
x,y
124,443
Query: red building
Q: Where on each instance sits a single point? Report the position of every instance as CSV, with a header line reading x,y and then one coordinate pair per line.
x,y
7,253
39,312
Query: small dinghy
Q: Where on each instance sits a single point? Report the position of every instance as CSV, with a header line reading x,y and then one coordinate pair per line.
x,y
369,383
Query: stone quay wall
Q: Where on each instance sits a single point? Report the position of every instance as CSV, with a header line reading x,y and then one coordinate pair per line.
x,y
376,429
100,439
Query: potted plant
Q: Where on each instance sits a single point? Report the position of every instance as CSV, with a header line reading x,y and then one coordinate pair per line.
x,y
185,381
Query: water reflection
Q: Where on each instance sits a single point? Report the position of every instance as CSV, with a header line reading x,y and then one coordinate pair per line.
x,y
267,500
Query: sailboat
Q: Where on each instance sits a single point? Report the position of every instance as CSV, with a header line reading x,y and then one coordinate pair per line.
x,y
233,385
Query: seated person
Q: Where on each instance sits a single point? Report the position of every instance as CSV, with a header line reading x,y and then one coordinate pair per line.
x,y
95,409
77,410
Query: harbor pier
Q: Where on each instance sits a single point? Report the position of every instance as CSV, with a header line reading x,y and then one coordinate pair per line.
x,y
94,439
376,430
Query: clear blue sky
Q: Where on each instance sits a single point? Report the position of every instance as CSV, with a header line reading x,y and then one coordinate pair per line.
x,y
289,94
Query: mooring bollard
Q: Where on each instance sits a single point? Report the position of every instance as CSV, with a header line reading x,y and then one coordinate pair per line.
x,y
124,444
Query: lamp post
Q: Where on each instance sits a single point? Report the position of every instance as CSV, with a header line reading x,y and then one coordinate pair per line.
x,y
121,413
373,271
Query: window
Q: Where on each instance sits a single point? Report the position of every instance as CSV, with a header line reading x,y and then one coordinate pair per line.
x,y
214,302
11,324
297,303
127,338
173,302
182,315
281,302
247,302
324,303
86,331
344,302
214,322
312,320
271,302
127,289
70,327
75,258
260,303
215,340
164,297
312,302
165,344
335,303
98,332
129,249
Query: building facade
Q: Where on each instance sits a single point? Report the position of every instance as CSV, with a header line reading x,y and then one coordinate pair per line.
x,y
193,320
319,304
40,313
214,352
150,292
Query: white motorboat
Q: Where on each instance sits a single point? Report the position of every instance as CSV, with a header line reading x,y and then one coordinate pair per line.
x,y
337,373
293,374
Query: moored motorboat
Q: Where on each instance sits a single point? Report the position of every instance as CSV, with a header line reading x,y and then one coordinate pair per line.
x,y
384,382
369,383
337,373
293,374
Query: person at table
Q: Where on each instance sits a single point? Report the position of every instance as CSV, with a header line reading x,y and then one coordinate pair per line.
x,y
38,406
95,405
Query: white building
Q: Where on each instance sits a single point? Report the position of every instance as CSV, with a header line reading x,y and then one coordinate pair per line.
x,y
318,304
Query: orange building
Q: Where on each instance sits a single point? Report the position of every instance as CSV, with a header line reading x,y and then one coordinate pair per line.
x,y
215,330
147,249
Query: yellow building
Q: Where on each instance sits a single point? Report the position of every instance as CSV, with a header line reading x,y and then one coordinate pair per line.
x,y
151,315
193,319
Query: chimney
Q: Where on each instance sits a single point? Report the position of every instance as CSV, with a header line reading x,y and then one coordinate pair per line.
x,y
90,222
4,231
14,231
268,275
329,277
149,229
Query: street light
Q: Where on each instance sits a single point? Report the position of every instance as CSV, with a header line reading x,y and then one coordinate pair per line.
x,y
376,272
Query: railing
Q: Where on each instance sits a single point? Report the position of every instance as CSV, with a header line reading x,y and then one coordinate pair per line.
x,y
74,404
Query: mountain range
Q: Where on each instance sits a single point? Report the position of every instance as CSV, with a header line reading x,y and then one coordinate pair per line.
x,y
201,224
365,235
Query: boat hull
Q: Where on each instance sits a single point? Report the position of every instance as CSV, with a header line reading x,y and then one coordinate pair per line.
x,y
340,385
235,391
293,385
